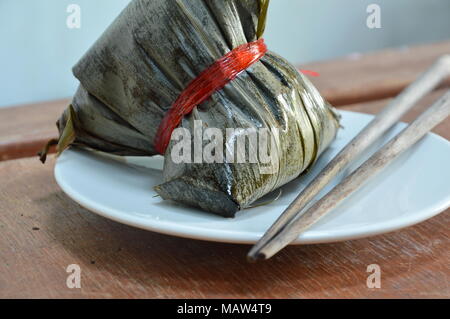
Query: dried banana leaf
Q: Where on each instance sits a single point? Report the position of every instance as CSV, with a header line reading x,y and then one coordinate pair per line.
x,y
132,75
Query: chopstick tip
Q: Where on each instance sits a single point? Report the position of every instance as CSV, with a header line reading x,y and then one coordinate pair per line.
x,y
254,257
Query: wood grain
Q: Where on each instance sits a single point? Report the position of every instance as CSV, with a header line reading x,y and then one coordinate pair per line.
x,y
358,78
118,261
375,107
25,129
361,78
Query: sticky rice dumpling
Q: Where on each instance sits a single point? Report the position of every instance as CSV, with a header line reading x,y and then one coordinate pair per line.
x,y
132,76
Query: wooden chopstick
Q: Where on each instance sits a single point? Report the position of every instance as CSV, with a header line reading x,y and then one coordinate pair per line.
x,y
379,125
402,142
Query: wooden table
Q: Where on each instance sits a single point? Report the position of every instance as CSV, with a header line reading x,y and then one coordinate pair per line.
x,y
42,231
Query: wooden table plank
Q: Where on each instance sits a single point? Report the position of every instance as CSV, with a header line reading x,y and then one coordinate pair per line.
x,y
361,78
375,107
119,261
24,130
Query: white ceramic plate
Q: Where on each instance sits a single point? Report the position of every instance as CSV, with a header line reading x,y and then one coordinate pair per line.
x,y
412,189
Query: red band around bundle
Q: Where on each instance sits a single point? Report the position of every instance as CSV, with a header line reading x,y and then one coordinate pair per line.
x,y
209,81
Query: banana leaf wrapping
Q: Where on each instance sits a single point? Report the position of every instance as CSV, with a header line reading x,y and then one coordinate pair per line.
x,y
133,74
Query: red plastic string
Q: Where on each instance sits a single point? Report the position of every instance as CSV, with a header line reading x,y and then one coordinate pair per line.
x,y
308,72
209,81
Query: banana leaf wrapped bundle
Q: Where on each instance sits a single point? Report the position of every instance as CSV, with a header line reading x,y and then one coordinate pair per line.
x,y
133,74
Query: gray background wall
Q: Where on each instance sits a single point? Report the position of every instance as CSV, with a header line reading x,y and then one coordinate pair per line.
x,y
37,49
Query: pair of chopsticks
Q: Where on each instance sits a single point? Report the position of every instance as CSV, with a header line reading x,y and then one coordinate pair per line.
x,y
294,221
